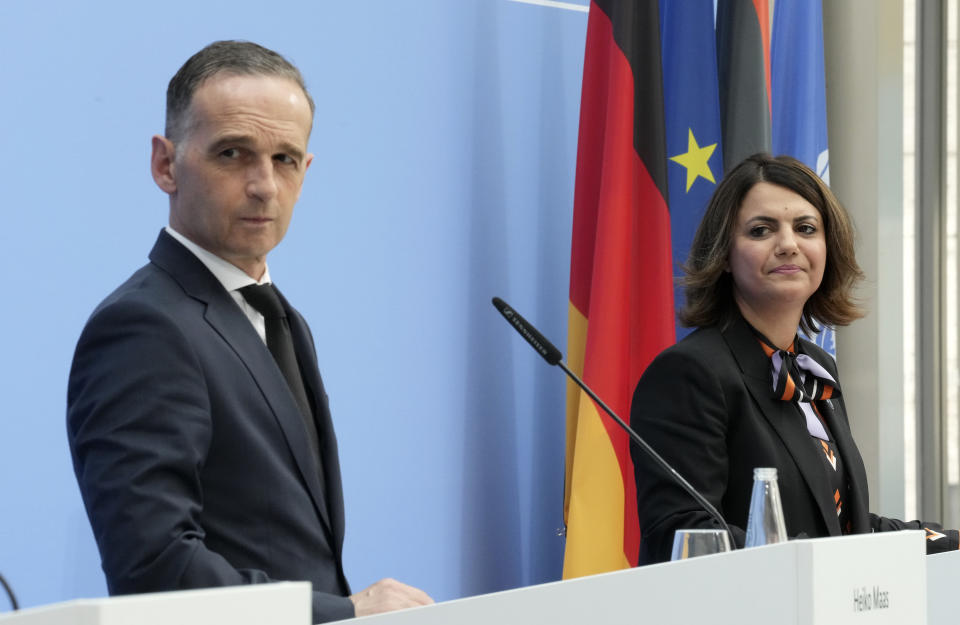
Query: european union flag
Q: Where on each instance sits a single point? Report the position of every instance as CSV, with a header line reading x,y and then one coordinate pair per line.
x,y
692,117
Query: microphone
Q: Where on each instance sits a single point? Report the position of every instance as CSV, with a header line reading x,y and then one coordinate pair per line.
x,y
553,356
13,599
545,348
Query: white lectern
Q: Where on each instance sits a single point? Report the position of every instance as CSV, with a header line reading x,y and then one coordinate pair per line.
x,y
286,603
870,579
876,579
943,573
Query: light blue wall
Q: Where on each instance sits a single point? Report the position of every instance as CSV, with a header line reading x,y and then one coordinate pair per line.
x,y
445,141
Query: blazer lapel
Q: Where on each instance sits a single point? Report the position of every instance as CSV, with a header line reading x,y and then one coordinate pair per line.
x,y
834,413
782,417
226,318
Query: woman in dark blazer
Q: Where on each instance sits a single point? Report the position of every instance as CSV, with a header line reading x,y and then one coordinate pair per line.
x,y
774,252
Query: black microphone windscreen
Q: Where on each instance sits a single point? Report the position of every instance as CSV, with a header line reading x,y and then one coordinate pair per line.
x,y
544,347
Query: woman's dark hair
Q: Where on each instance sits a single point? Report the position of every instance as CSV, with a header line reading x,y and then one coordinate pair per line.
x,y
709,287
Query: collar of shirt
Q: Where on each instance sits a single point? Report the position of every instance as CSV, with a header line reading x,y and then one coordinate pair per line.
x,y
231,277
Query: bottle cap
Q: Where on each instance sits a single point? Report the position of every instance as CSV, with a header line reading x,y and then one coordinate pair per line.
x,y
765,473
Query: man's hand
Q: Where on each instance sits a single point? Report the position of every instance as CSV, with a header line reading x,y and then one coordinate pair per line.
x,y
388,595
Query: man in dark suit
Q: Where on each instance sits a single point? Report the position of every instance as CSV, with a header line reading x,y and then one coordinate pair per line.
x,y
197,419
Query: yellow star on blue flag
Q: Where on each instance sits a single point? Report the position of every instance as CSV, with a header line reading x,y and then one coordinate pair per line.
x,y
696,160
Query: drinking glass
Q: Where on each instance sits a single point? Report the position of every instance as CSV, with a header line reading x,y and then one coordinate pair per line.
x,y
699,542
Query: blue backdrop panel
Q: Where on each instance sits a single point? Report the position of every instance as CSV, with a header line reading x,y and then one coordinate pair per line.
x,y
445,142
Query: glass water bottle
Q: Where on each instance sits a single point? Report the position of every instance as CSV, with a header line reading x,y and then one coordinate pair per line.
x,y
765,524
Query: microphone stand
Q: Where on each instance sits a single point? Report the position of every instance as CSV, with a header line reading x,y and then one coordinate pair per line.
x,y
13,598
554,356
642,444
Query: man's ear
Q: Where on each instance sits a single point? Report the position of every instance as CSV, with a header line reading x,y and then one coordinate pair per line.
x,y
162,163
306,165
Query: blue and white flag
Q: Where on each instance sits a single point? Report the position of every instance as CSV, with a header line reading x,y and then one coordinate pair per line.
x,y
799,119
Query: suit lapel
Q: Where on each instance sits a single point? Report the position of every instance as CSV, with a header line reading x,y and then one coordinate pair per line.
x,y
782,417
226,318
307,357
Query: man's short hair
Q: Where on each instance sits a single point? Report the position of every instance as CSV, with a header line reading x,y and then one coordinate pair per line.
x,y
238,58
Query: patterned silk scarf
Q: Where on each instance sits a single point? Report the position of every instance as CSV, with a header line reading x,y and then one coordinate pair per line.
x,y
801,379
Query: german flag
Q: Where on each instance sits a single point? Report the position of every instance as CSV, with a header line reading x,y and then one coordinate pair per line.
x,y
621,295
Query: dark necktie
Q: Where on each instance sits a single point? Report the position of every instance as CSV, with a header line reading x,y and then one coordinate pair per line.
x,y
264,298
